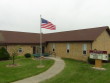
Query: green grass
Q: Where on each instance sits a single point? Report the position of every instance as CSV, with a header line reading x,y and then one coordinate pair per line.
x,y
81,72
28,68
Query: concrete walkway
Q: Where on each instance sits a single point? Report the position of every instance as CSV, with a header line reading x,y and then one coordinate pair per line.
x,y
55,69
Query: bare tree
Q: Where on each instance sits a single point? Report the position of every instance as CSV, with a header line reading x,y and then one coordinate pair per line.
x,y
14,53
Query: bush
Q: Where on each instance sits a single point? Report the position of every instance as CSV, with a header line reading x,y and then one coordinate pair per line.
x,y
27,55
4,55
91,61
108,57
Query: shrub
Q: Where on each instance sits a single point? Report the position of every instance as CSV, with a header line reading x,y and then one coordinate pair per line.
x,y
27,55
91,61
4,55
108,57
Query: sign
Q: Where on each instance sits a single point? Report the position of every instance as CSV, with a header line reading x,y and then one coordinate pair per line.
x,y
101,55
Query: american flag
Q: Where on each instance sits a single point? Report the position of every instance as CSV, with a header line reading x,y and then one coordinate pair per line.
x,y
47,25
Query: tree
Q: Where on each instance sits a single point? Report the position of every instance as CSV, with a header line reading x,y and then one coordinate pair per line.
x,y
14,53
4,55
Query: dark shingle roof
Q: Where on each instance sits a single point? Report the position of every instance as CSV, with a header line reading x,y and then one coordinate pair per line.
x,y
11,37
76,35
19,37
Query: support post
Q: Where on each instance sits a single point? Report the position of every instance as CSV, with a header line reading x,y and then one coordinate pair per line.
x,y
98,63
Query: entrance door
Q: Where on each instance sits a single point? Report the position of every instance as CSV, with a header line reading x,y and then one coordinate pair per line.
x,y
43,49
34,50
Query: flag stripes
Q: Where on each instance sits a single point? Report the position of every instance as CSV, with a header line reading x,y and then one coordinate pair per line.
x,y
47,25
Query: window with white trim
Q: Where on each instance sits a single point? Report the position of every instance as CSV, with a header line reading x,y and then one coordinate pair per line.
x,y
53,47
84,48
68,47
20,50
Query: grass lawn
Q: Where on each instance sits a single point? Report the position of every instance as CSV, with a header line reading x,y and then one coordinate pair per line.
x,y
80,72
28,68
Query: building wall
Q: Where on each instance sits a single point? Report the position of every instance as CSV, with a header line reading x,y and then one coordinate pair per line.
x,y
25,49
76,51
102,42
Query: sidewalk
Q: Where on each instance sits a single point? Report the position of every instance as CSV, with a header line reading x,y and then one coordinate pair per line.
x,y
55,69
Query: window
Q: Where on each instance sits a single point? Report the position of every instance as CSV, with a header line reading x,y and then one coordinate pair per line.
x,y
20,50
67,47
84,52
53,47
84,49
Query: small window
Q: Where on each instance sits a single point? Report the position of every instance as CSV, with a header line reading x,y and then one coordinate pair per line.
x,y
53,47
84,48
20,50
67,47
84,52
68,50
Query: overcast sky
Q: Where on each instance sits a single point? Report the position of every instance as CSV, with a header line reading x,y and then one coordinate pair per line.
x,y
24,15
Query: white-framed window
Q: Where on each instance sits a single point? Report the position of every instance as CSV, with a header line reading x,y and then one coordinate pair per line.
x,y
20,50
84,48
53,47
68,47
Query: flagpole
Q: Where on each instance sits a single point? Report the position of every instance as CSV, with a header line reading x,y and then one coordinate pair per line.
x,y
40,65
40,39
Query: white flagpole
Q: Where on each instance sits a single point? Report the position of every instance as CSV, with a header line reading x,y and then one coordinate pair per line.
x,y
40,65
40,39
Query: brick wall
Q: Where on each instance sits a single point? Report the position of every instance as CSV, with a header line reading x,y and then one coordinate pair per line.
x,y
102,42
25,49
75,52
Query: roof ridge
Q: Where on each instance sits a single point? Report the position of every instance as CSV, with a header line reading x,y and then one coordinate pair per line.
x,y
17,31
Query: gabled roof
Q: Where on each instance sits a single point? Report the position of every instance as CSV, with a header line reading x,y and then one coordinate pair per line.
x,y
76,35
12,37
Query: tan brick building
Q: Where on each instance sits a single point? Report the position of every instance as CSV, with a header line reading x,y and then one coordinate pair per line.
x,y
70,44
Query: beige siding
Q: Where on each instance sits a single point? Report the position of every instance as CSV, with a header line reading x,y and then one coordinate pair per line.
x,y
76,51
102,42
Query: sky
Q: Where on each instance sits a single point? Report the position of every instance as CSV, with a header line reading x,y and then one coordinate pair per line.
x,y
24,15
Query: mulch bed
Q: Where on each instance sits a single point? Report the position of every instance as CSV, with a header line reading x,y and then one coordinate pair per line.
x,y
13,65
